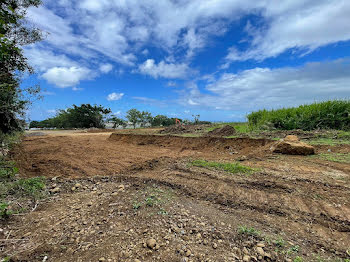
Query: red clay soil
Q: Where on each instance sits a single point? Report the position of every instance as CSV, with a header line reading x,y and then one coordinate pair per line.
x,y
303,200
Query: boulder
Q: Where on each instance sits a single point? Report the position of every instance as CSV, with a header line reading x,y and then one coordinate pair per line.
x,y
291,145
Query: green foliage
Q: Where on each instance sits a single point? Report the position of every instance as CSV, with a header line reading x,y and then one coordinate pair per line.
x,y
298,259
15,33
4,210
162,120
229,167
137,117
133,115
249,231
280,242
117,122
83,116
334,114
336,157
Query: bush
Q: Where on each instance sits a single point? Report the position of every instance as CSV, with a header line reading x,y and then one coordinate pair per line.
x,y
333,114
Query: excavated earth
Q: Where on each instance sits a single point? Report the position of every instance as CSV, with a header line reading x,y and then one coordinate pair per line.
x,y
127,197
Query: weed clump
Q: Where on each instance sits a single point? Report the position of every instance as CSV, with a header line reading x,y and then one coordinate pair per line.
x,y
333,114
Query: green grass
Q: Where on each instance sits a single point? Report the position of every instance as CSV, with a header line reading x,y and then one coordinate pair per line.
x,y
249,231
328,141
16,192
335,157
240,127
232,168
333,114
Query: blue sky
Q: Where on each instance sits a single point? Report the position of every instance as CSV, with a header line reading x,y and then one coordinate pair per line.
x,y
218,58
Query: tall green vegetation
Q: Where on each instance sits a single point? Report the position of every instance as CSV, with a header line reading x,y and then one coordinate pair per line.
x,y
83,116
15,33
333,114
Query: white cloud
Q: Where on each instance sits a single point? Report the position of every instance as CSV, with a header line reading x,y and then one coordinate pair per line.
x,y
42,59
120,29
299,25
163,69
171,84
114,96
272,88
106,68
67,76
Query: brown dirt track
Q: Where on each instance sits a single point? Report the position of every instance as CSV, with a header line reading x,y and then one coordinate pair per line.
x,y
304,200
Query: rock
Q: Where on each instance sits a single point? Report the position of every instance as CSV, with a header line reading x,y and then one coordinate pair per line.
x,y
121,187
188,253
137,260
260,245
291,146
246,258
102,259
77,185
260,251
151,243
291,138
215,246
55,190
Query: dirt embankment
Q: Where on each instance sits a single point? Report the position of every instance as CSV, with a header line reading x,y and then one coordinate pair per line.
x,y
192,143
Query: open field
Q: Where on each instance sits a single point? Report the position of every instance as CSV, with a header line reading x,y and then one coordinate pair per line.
x,y
112,193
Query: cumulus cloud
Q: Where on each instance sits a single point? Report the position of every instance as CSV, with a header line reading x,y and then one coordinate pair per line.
x,y
106,68
115,96
122,30
163,69
67,76
271,88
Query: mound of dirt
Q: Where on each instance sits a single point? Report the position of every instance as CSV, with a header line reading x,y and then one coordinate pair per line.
x,y
292,146
223,131
184,129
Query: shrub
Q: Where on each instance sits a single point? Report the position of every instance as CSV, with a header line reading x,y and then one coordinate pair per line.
x,y
333,114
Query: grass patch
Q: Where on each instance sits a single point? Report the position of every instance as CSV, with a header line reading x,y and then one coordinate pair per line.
x,y
153,198
232,168
240,127
332,114
248,231
328,141
16,193
336,157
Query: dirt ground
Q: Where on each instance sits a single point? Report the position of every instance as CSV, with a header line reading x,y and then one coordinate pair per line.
x,y
133,197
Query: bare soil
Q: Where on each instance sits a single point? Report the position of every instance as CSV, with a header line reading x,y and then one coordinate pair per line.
x,y
116,191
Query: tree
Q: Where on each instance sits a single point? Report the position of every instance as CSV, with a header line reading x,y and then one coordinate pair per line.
x,y
83,116
15,33
145,117
133,115
117,122
162,120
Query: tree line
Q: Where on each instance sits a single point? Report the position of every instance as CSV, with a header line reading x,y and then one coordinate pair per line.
x,y
88,116
15,33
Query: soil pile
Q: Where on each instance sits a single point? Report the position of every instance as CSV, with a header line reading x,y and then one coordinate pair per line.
x,y
223,131
184,129
292,146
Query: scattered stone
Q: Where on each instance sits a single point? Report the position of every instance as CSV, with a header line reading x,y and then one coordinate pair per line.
x,y
260,251
215,246
246,258
151,243
55,190
102,259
